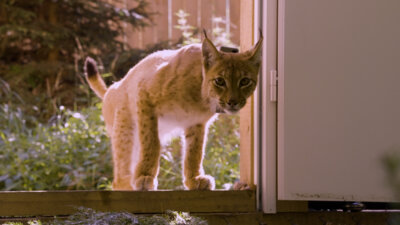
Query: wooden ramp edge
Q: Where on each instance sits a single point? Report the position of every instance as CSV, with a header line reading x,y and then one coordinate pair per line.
x,y
51,203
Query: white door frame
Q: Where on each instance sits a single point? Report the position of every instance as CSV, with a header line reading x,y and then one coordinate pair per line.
x,y
265,107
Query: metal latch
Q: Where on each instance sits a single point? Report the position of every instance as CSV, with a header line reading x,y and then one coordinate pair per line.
x,y
273,83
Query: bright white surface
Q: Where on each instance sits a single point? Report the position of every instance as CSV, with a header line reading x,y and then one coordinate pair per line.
x,y
265,109
338,99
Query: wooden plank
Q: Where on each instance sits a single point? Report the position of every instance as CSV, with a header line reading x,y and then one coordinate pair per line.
x,y
134,36
220,9
200,17
50,203
161,21
246,114
292,206
176,6
235,21
207,7
191,8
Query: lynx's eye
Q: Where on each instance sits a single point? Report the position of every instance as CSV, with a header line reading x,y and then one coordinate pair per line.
x,y
219,81
244,82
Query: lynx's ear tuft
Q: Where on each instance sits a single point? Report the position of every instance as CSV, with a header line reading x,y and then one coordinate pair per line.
x,y
255,52
90,67
210,53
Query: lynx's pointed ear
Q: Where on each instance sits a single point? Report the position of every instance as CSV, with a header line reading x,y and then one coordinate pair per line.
x,y
255,52
209,51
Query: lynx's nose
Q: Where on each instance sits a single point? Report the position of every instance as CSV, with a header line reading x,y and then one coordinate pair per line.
x,y
233,102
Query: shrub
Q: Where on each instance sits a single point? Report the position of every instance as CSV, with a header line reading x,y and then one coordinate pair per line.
x,y
221,157
222,151
72,152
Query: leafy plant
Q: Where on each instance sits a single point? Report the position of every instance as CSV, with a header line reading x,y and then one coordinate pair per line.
x,y
70,152
187,30
391,164
221,157
222,151
30,222
219,35
222,37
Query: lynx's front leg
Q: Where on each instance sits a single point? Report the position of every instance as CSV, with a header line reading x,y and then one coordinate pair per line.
x,y
194,178
147,168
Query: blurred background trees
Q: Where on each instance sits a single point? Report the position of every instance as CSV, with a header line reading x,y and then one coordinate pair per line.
x,y
52,134
44,42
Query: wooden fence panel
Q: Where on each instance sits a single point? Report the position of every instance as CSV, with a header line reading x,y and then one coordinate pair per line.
x,y
200,13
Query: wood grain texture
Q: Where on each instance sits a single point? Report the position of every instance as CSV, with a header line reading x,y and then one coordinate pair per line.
x,y
246,114
51,203
200,16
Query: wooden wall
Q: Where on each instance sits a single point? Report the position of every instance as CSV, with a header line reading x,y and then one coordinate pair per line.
x,y
201,14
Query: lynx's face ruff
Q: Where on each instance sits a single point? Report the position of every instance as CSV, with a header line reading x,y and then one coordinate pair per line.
x,y
229,78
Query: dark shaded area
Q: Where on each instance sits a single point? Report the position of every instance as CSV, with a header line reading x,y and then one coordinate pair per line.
x,y
351,206
43,45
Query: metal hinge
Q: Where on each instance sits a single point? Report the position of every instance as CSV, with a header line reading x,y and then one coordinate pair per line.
x,y
273,84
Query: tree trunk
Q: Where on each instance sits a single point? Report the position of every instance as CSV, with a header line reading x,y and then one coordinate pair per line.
x,y
51,7
48,13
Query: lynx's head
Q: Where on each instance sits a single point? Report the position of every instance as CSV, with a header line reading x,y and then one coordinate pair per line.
x,y
229,78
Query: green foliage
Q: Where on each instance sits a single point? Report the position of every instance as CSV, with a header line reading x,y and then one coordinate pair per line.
x,y
170,173
222,151
222,37
42,45
187,30
219,35
221,157
70,152
391,164
12,223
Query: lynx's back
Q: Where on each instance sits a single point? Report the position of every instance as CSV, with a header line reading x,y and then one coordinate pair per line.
x,y
169,80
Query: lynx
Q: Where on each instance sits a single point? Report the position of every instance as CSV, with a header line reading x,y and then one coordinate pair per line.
x,y
171,89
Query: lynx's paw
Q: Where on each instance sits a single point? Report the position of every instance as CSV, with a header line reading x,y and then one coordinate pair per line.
x,y
144,183
242,186
122,185
202,182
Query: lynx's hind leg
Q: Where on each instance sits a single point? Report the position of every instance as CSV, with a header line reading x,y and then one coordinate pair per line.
x,y
194,178
122,141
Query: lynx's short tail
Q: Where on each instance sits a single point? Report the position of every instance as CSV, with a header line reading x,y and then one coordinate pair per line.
x,y
93,77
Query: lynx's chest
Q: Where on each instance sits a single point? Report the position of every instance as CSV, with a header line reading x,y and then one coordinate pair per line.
x,y
178,119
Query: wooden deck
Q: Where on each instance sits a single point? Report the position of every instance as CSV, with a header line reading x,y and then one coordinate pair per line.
x,y
50,203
